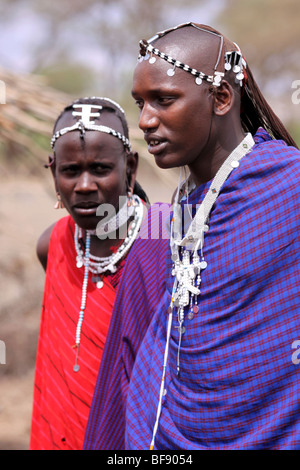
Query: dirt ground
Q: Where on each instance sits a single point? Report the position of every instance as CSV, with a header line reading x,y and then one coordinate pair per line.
x,y
26,209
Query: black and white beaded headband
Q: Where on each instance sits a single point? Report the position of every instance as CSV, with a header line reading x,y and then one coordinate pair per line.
x,y
233,60
86,123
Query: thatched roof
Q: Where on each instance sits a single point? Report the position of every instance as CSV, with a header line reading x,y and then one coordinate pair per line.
x,y
27,117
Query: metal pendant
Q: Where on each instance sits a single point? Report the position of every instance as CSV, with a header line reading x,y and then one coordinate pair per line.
x,y
98,281
181,329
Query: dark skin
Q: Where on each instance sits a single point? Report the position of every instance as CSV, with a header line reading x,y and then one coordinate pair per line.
x,y
87,173
183,123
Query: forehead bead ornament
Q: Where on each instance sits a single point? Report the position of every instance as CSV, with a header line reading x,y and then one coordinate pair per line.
x,y
108,100
86,112
181,65
233,60
171,72
152,59
86,123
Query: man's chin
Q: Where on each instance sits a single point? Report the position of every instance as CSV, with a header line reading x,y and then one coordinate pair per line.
x,y
87,222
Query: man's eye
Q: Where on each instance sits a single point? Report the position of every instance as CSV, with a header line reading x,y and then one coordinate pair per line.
x,y
165,99
101,169
139,104
69,170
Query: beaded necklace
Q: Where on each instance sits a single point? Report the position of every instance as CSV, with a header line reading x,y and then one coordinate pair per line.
x,y
100,266
187,264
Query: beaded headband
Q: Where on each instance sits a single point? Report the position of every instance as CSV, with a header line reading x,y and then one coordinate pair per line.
x,y
86,122
233,60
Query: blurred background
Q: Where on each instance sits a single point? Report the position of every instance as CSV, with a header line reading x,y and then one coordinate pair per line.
x,y
54,51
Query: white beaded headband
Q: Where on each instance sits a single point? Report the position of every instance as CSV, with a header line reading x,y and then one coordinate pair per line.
x,y
86,123
233,60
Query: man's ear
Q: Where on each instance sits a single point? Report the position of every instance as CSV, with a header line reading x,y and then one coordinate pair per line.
x,y
132,165
224,98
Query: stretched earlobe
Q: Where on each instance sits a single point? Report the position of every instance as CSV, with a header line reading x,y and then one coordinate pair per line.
x,y
132,164
59,204
51,160
129,196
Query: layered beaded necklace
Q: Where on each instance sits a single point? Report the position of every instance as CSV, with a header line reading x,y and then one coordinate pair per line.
x,y
188,259
99,266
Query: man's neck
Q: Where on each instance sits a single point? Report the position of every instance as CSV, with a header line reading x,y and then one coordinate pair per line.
x,y
206,168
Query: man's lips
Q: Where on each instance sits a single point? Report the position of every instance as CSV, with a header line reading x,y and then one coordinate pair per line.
x,y
86,207
155,144
86,204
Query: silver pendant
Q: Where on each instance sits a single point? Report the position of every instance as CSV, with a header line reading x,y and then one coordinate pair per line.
x,y
203,264
76,368
98,281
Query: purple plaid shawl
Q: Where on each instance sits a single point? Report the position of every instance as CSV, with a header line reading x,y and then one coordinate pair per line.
x,y
239,379
136,302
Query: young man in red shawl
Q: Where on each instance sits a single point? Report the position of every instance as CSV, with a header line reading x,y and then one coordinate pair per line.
x,y
94,171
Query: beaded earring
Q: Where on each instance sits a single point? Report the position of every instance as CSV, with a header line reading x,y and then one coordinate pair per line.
x,y
130,198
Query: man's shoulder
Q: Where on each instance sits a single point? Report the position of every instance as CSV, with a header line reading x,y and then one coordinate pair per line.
x,y
273,158
274,149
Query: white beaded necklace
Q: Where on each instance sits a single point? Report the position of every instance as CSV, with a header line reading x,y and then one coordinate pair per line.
x,y
98,265
187,262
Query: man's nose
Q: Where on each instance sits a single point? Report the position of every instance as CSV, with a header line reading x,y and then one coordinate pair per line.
x,y
86,183
148,119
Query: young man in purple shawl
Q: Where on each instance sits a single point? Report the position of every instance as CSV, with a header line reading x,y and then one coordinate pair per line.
x,y
203,350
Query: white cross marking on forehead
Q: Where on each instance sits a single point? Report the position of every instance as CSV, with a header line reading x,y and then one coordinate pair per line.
x,y
86,112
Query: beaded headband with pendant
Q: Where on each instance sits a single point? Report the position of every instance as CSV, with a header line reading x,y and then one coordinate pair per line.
x,y
86,123
233,60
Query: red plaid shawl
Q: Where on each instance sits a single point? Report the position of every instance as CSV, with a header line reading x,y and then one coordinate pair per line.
x,y
62,398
